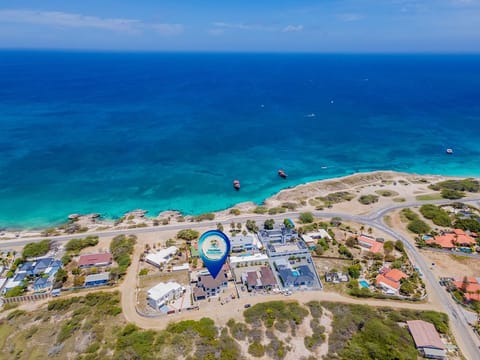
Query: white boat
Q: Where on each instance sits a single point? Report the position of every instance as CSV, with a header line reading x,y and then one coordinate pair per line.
x,y
449,151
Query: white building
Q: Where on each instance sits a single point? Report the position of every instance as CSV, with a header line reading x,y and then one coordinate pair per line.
x,y
181,267
320,234
162,293
241,243
249,259
161,257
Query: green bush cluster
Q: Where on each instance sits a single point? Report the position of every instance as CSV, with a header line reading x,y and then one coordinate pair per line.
x,y
362,332
452,194
415,224
75,245
418,226
235,211
368,199
306,218
204,217
467,224
188,234
470,185
36,249
342,250
336,197
121,248
439,216
270,312
276,210
260,210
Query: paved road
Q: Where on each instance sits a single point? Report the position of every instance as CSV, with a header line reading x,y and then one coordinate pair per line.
x,y
466,338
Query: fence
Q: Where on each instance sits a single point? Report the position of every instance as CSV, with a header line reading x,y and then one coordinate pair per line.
x,y
25,298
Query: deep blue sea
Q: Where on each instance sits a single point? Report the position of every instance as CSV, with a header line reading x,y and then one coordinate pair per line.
x,y
112,132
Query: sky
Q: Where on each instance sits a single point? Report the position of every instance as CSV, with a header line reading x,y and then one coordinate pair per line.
x,y
447,26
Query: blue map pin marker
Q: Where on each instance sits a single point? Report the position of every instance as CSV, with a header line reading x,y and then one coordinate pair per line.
x,y
213,248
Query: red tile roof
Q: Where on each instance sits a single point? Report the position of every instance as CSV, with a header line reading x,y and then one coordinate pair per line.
x,y
464,240
382,279
252,278
470,288
471,297
395,275
449,240
268,279
424,334
444,241
94,259
372,245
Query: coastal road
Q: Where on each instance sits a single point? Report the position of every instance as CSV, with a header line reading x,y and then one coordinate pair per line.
x,y
465,337
373,218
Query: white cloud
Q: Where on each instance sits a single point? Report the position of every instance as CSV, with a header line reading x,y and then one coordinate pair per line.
x,y
293,28
349,17
58,18
241,26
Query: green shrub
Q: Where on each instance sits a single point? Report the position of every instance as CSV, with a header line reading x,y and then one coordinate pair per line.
x,y
121,248
467,224
204,217
75,245
260,210
256,349
306,217
470,185
337,197
439,216
418,227
15,291
188,234
36,249
368,199
409,214
272,311
452,194
235,212
315,308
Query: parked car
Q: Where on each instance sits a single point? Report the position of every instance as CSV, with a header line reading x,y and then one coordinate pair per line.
x,y
246,306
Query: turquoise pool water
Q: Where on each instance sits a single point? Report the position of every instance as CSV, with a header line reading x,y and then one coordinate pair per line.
x,y
295,273
364,284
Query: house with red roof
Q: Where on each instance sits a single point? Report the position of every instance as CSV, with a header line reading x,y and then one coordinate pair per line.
x,y
95,260
470,288
450,240
370,244
390,280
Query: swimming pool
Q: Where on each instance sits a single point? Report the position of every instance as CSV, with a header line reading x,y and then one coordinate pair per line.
x,y
364,283
295,273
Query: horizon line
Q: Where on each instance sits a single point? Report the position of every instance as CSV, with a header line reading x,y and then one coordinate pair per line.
x,y
273,52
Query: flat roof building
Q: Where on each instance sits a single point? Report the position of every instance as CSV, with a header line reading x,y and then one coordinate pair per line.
x,y
97,279
161,257
248,259
240,243
162,293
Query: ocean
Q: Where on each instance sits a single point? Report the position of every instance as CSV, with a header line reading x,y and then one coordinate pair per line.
x,y
85,132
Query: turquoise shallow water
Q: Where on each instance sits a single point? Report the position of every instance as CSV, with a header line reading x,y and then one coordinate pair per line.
x,y
100,132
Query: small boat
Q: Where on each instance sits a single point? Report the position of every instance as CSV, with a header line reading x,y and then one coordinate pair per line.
x,y
312,115
236,184
449,151
282,174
